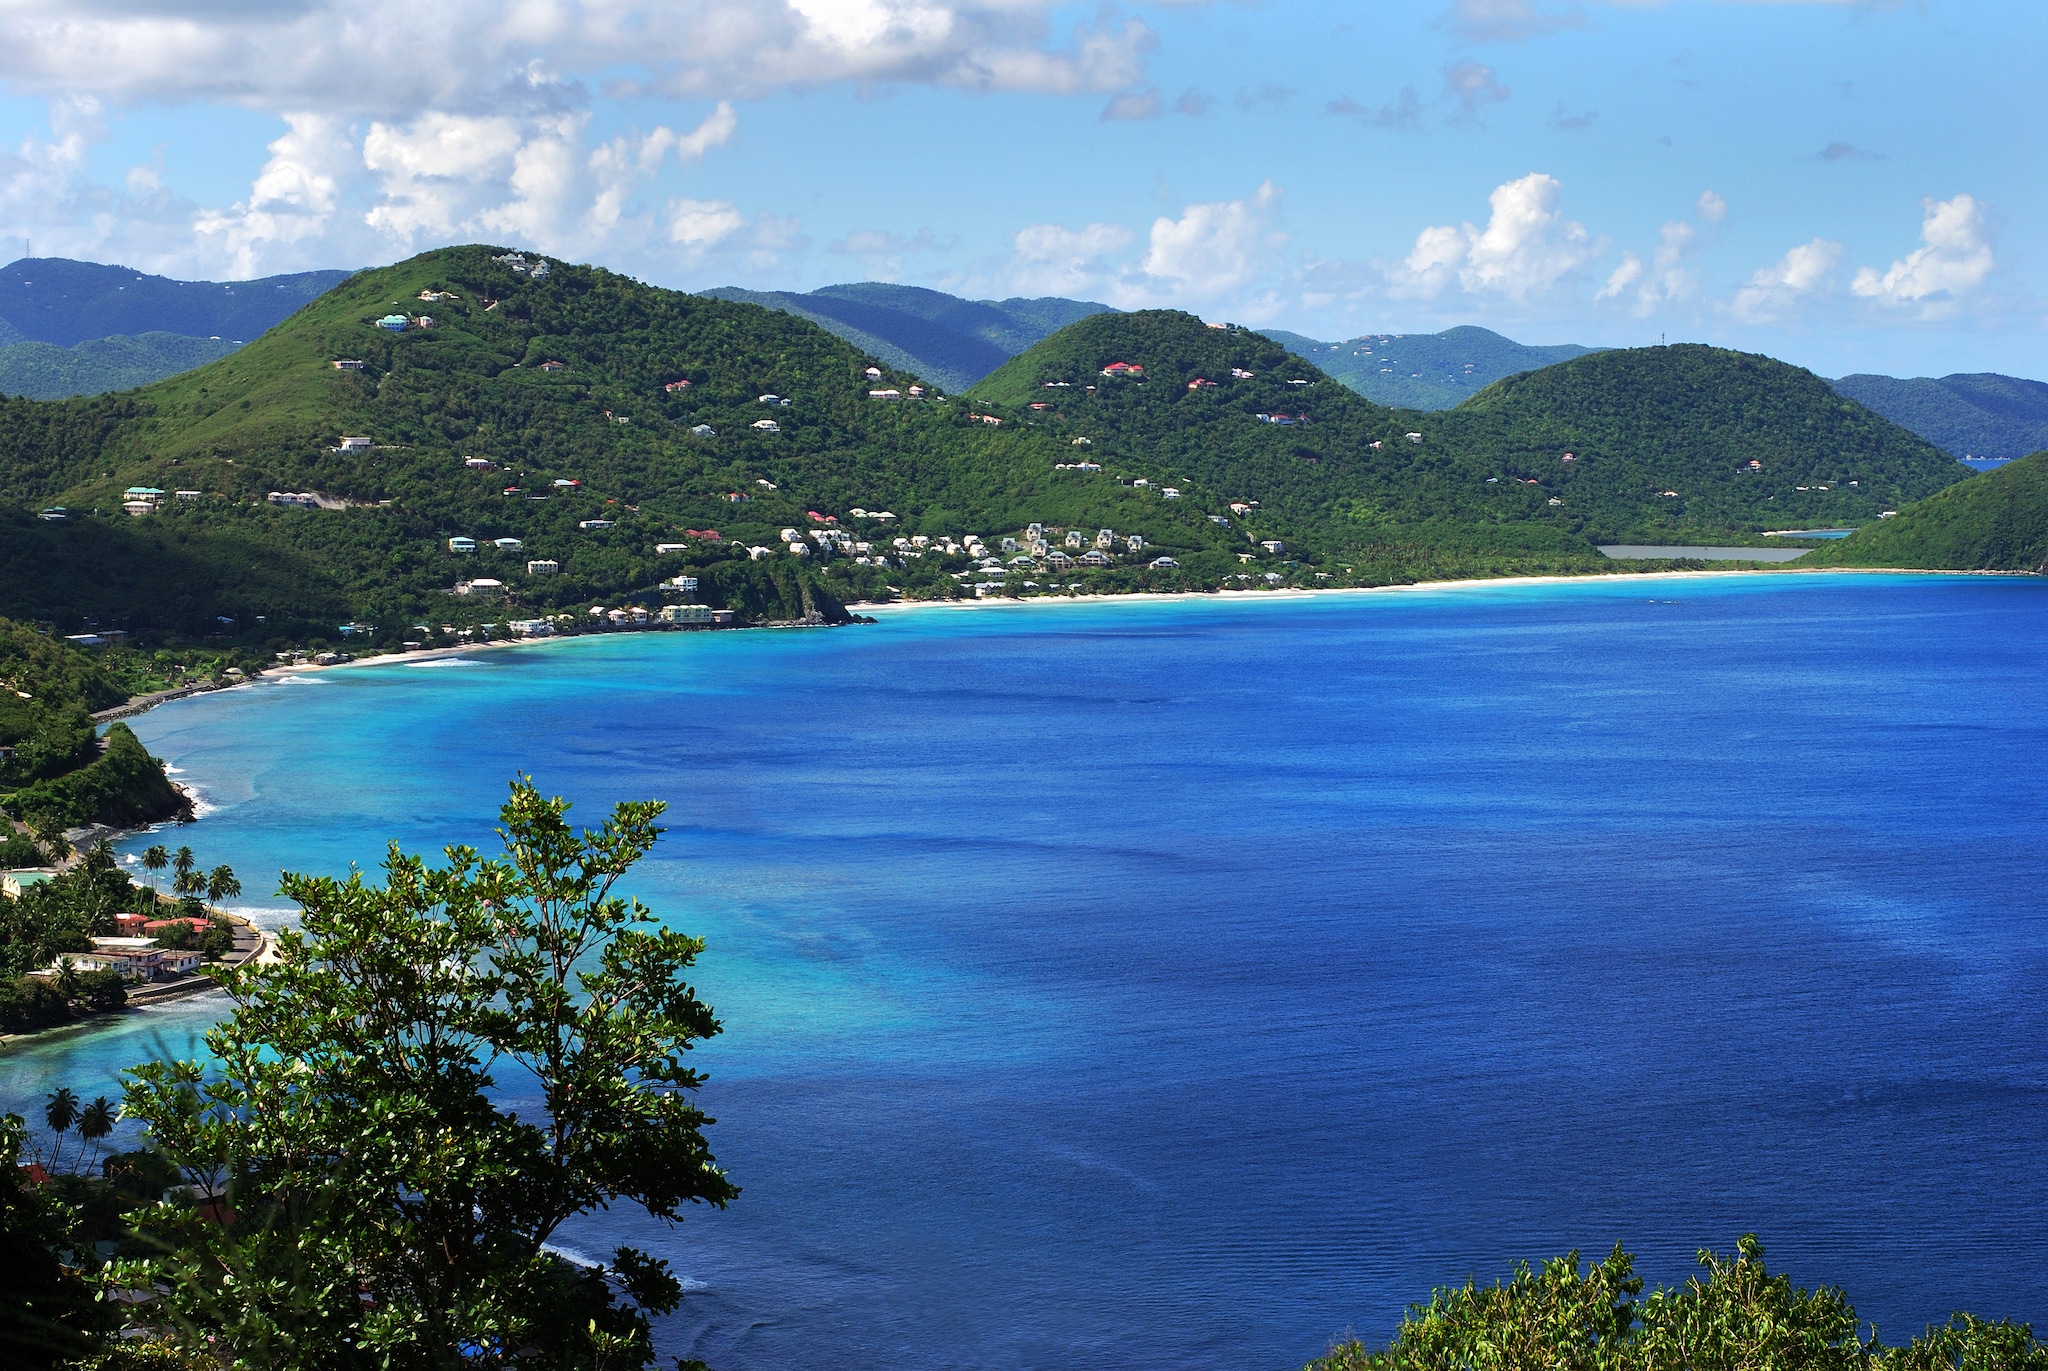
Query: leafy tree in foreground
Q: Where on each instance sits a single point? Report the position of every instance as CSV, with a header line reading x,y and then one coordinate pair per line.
x,y
47,1313
1740,1317
434,1076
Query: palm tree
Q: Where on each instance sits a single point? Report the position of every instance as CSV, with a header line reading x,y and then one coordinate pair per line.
x,y
192,882
95,1122
222,885
60,1113
183,863
157,858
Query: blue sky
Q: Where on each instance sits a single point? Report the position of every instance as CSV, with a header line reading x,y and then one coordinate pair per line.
x,y
1849,185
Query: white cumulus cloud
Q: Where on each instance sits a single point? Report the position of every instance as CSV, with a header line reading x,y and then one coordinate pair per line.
x,y
1955,258
1526,247
1050,259
392,59
1793,279
1215,249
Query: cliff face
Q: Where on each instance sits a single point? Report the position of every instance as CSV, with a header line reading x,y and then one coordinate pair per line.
x,y
123,786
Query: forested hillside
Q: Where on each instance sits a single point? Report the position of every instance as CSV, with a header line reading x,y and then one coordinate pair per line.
x,y
943,338
1996,521
59,301
44,371
55,770
544,437
1670,440
1424,370
1968,415
582,414
1646,445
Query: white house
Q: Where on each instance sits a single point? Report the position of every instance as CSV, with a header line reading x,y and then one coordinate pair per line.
x,y
686,614
543,566
358,444
767,426
463,545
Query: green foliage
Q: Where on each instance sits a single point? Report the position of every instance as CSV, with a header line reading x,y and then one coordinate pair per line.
x,y
61,301
56,673
389,1205
1737,1316
948,341
42,371
124,785
1689,418
1995,521
48,1315
1978,414
1485,485
1483,491
1424,370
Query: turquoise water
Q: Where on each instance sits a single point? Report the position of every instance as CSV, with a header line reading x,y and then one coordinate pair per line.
x,y
1181,984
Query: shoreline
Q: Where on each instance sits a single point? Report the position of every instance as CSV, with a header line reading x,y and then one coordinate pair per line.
x,y
188,987
1296,593
198,986
143,704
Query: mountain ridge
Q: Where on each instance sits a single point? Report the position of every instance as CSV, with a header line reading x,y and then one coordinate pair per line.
x,y
1426,370
620,435
928,333
64,302
1968,414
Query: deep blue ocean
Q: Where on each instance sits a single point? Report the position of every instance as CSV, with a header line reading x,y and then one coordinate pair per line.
x,y
1183,984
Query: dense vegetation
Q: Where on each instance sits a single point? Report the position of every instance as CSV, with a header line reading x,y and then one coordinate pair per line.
x,y
43,371
1978,414
1997,521
1690,420
432,1077
1424,370
1659,443
947,340
56,771
57,300
1740,1316
538,408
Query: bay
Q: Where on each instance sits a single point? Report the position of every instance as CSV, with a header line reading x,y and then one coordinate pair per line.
x,y
1185,983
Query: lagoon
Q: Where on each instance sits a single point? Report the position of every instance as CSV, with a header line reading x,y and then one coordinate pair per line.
x,y
1179,984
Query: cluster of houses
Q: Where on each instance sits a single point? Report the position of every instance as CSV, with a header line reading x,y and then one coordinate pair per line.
x,y
535,268
874,374
134,951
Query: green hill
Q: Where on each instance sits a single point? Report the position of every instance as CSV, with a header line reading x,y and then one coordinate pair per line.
x,y
631,435
63,302
1424,370
943,338
1997,521
1691,419
1492,473
44,371
1968,415
599,442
